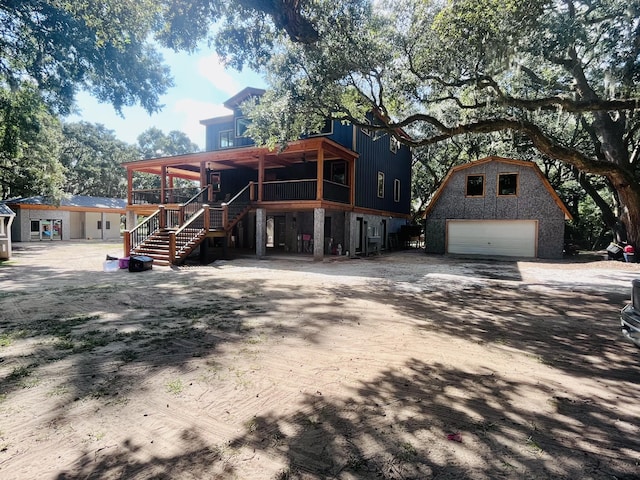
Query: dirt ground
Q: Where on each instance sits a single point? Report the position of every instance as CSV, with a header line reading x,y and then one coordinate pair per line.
x,y
399,366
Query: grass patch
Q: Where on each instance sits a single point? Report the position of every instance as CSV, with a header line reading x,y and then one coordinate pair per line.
x,y
176,387
21,372
534,445
7,339
406,452
58,391
128,356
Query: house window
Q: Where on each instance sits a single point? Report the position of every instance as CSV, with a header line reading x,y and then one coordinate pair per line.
x,y
241,126
107,224
99,224
475,186
394,144
396,190
365,130
507,184
339,172
380,184
226,139
327,128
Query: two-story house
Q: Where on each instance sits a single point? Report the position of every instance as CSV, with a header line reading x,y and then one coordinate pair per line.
x,y
343,190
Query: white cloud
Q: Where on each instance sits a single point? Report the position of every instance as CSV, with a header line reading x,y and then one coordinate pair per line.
x,y
192,111
212,69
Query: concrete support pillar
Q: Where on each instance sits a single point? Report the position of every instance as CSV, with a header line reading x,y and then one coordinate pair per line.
x,y
318,234
132,220
261,232
349,240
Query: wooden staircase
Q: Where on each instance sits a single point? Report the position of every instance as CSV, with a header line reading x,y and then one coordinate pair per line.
x,y
158,245
172,245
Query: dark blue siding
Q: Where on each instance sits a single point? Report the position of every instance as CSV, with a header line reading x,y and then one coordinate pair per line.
x,y
342,134
376,156
213,136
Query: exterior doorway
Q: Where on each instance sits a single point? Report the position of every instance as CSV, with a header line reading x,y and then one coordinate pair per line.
x,y
46,229
276,230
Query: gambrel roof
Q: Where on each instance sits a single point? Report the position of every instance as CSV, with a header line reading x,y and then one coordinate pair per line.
x,y
511,161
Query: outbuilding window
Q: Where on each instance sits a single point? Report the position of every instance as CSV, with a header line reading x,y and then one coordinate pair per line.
x,y
475,186
507,184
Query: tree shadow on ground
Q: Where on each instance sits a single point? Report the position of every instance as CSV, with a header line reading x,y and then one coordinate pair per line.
x,y
198,461
444,423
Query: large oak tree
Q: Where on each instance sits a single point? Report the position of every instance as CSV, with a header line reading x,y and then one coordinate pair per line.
x,y
563,73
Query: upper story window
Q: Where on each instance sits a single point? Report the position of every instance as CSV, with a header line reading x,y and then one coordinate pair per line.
x,y
507,184
381,184
394,144
475,186
226,139
339,172
396,190
241,126
365,130
327,128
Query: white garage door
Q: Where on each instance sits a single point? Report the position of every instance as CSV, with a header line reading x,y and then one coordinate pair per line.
x,y
512,238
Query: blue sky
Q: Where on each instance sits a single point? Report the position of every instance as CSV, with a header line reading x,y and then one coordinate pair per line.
x,y
202,84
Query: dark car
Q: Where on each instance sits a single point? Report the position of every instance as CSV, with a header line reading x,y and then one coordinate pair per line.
x,y
630,315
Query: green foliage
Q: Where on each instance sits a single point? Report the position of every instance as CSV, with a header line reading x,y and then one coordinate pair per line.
x,y
29,146
92,157
153,143
560,76
61,46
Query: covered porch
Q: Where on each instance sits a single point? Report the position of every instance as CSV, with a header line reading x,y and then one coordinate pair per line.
x,y
310,170
311,175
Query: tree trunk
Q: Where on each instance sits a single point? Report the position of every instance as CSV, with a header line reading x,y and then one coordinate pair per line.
x,y
629,195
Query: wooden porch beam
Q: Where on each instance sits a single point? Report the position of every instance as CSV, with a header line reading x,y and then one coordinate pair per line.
x,y
129,187
163,183
352,182
260,176
320,173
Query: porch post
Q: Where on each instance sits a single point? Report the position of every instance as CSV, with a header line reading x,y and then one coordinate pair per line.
x,y
260,176
163,183
261,232
320,175
163,217
352,182
318,234
129,188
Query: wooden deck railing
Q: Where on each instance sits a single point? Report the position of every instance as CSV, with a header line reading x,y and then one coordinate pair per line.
x,y
289,190
153,196
188,236
142,231
175,217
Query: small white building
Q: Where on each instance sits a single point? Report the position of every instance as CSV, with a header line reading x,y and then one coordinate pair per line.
x,y
77,217
6,218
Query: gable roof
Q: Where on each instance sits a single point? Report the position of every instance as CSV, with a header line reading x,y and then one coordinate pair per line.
x,y
242,95
5,210
76,202
512,161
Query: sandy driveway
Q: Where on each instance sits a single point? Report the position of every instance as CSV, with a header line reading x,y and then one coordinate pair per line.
x,y
399,366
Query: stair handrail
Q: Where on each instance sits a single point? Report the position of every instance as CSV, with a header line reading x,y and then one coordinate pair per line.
x,y
237,195
133,233
194,200
175,250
